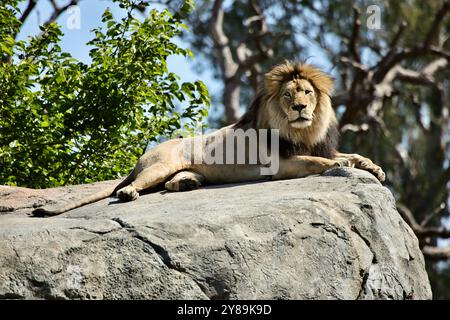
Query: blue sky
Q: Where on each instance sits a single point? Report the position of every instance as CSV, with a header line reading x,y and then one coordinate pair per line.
x,y
74,40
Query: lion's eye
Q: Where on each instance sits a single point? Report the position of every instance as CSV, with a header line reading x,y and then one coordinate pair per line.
x,y
308,91
287,94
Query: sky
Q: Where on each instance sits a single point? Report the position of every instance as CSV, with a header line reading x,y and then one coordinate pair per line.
x,y
74,39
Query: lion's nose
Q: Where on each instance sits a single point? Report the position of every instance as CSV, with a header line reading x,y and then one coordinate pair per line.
x,y
299,107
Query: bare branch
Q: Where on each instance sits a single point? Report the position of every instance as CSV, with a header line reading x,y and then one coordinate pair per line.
x,y
355,33
341,98
408,217
439,232
229,66
355,128
420,231
253,19
249,59
424,76
57,11
440,52
412,76
438,211
433,34
262,20
27,11
392,45
394,42
392,59
415,101
30,6
355,64
431,68
253,76
436,253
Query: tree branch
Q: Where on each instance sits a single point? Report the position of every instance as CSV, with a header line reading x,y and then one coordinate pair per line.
x,y
355,128
421,231
391,59
30,6
27,11
354,64
430,69
246,57
412,76
229,66
394,42
415,101
433,34
440,52
341,98
57,10
355,33
408,217
436,253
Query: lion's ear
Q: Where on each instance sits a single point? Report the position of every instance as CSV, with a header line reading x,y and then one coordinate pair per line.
x,y
320,80
276,76
325,84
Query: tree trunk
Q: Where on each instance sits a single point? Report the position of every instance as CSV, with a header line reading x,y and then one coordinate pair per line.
x,y
231,97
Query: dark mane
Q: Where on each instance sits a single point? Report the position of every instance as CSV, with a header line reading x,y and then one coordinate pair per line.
x,y
325,148
249,118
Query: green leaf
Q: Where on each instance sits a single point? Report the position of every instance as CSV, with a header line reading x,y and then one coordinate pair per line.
x,y
188,6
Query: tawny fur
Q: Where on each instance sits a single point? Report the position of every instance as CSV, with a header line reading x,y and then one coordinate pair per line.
x,y
294,98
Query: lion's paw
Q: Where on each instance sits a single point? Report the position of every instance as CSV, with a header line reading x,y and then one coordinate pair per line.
x,y
184,184
376,171
367,164
343,162
127,194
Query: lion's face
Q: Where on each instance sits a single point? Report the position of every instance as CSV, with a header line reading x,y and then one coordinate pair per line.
x,y
294,99
298,101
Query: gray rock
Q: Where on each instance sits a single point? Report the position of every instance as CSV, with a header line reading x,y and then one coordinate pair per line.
x,y
336,236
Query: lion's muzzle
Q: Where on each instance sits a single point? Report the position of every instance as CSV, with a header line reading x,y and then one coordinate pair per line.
x,y
299,107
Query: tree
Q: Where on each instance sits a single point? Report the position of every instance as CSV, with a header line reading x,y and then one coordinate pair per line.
x,y
65,122
392,84
239,57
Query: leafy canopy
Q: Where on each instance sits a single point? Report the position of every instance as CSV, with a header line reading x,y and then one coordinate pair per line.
x,y
66,122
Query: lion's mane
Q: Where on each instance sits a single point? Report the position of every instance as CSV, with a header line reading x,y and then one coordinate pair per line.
x,y
321,137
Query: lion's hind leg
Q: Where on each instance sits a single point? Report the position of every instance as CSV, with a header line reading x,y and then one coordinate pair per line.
x,y
146,179
184,181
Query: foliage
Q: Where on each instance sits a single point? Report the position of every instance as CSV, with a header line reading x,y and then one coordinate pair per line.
x,y
66,122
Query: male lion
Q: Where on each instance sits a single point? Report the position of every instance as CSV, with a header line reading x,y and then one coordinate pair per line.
x,y
294,98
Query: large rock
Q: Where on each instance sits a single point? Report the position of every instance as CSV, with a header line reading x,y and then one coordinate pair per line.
x,y
336,236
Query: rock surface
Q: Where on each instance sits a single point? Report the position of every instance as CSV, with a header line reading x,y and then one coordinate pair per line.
x,y
336,236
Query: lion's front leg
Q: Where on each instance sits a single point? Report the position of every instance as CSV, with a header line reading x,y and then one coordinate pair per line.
x,y
302,166
363,163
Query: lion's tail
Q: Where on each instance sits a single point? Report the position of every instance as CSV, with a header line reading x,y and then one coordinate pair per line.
x,y
43,212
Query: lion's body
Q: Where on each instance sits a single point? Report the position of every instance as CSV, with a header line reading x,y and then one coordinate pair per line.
x,y
294,99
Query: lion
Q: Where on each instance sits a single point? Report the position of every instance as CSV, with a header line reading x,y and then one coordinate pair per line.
x,y
293,100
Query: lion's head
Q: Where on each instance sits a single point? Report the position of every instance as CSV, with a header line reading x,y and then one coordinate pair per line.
x,y
294,98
